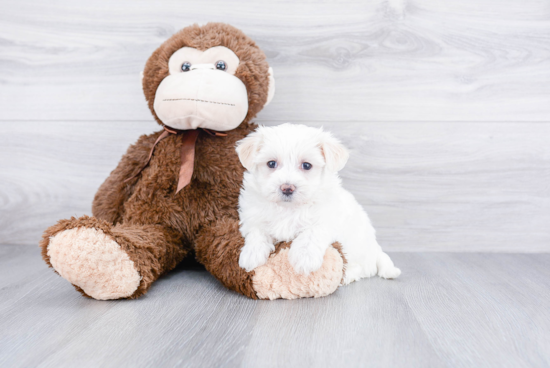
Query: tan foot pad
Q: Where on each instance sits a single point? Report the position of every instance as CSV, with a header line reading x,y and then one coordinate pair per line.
x,y
94,262
277,279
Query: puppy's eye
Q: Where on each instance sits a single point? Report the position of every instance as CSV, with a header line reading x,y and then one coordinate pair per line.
x,y
272,164
185,67
307,166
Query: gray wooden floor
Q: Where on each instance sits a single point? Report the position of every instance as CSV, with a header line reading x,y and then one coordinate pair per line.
x,y
448,310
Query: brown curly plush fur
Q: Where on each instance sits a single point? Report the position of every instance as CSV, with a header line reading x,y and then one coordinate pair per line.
x,y
156,227
153,224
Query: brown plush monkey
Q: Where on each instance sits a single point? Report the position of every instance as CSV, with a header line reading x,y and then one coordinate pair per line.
x,y
175,192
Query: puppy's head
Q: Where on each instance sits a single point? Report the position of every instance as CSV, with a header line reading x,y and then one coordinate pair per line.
x,y
289,163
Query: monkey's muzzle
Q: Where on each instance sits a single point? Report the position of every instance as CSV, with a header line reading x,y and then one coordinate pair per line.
x,y
201,98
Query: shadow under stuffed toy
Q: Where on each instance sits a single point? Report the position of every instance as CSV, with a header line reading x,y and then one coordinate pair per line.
x,y
175,193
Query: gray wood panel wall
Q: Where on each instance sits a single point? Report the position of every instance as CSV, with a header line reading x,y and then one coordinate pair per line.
x,y
444,105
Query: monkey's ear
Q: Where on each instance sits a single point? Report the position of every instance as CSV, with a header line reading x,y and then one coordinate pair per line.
x,y
271,89
141,74
248,147
336,155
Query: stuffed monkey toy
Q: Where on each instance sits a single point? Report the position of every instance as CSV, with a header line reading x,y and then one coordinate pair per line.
x,y
174,194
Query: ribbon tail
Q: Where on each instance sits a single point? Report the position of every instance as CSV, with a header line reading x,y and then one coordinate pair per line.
x,y
187,154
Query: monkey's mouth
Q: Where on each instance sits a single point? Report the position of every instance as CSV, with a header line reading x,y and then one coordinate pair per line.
x,y
197,100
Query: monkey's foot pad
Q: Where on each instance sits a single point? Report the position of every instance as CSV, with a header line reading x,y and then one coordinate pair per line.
x,y
277,278
94,262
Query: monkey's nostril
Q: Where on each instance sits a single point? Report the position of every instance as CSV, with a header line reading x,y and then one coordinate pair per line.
x,y
288,189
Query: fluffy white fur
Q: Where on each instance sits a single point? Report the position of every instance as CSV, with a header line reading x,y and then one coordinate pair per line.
x,y
317,213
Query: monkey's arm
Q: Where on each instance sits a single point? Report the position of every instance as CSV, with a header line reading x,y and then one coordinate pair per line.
x,y
112,194
218,247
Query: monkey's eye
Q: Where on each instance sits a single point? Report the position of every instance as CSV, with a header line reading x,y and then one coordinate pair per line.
x,y
221,65
186,66
307,166
272,164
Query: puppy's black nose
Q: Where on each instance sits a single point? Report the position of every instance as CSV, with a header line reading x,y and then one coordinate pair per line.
x,y
288,189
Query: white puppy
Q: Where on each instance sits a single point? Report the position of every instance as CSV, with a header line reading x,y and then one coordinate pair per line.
x,y
292,192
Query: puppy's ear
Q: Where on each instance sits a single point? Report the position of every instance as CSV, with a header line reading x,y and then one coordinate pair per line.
x,y
336,155
271,88
248,147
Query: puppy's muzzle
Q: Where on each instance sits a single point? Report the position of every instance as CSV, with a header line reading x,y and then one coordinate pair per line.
x,y
287,189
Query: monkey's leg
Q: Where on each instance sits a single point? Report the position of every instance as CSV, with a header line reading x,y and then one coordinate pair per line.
x,y
219,246
104,261
278,280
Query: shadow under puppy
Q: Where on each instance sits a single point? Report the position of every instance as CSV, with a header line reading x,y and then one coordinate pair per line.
x,y
292,192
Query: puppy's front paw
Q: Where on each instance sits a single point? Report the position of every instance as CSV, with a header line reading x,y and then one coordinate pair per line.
x,y
254,255
305,259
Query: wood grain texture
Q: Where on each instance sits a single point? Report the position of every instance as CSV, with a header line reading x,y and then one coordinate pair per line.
x,y
426,186
447,310
444,105
381,60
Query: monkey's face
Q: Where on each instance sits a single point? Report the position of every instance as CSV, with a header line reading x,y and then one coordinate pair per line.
x,y
202,91
211,76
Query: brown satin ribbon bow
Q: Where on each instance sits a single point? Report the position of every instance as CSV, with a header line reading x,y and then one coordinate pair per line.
x,y
187,153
